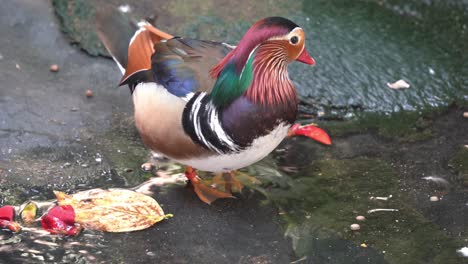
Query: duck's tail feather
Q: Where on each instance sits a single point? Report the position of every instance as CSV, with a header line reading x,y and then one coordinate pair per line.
x,y
130,44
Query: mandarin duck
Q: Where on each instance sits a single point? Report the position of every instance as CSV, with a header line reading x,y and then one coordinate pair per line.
x,y
208,105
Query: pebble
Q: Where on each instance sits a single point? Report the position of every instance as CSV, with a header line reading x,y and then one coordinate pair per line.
x,y
434,199
89,93
355,227
54,68
360,218
147,166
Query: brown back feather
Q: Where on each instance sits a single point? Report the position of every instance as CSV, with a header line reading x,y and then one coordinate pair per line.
x,y
141,48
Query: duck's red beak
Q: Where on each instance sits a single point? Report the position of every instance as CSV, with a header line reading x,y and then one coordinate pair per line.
x,y
306,58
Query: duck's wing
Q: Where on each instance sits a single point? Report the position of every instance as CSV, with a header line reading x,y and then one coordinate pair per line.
x,y
147,54
183,65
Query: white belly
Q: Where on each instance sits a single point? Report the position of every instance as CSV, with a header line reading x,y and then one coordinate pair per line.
x,y
259,149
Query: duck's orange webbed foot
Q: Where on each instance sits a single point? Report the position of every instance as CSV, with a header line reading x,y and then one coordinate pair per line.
x,y
206,193
233,181
311,131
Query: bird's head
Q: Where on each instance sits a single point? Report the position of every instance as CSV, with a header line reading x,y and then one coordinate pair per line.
x,y
280,32
263,53
285,38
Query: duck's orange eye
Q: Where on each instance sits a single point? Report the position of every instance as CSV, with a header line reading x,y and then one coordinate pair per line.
x,y
294,40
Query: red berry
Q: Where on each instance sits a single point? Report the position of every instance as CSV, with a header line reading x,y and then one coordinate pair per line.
x,y
7,213
60,220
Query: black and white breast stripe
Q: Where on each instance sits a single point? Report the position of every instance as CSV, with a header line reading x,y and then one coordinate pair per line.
x,y
202,123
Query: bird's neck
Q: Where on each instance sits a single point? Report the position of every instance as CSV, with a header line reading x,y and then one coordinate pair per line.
x,y
263,79
271,85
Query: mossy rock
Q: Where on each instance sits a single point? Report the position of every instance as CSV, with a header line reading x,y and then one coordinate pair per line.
x,y
77,22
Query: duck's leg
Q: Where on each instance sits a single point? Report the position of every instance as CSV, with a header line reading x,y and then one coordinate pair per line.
x,y
206,193
228,181
233,181
311,131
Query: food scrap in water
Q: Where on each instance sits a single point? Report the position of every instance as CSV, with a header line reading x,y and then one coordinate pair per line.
x,y
400,84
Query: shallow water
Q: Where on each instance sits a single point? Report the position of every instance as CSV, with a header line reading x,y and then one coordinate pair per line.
x,y
309,194
360,46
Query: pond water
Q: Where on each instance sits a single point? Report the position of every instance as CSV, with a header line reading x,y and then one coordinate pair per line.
x,y
309,194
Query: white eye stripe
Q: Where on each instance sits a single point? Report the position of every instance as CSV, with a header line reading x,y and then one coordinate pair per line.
x,y
296,32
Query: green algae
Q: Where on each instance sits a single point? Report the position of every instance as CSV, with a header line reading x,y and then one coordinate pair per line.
x,y
459,163
11,194
123,150
405,126
319,203
77,19
108,159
